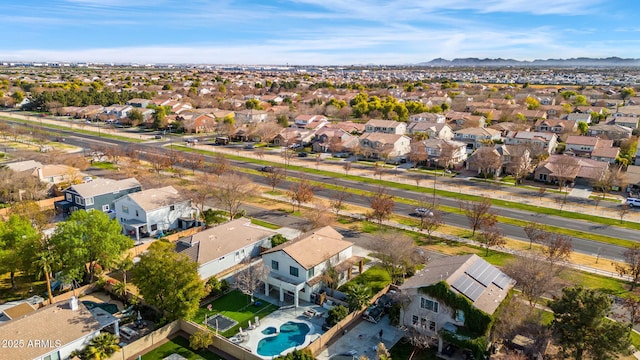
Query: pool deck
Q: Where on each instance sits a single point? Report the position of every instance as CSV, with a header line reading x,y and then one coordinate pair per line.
x,y
279,317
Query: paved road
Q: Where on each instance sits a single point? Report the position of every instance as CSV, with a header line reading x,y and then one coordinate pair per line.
x,y
580,245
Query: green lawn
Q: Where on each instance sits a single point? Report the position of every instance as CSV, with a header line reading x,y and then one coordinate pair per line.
x,y
237,306
375,279
179,345
265,224
105,165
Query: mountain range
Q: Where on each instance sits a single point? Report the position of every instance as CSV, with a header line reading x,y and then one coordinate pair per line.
x,y
499,62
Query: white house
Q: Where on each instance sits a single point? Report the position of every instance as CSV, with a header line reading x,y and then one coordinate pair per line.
x,y
468,276
154,210
220,248
49,333
545,140
297,266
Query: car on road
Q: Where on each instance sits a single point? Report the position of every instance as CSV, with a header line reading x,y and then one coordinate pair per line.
x,y
423,212
250,146
633,202
267,169
191,140
302,154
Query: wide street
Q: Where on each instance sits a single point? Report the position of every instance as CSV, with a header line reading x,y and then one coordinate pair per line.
x,y
580,245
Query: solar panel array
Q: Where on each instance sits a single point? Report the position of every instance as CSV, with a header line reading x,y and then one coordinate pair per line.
x,y
478,277
468,287
486,274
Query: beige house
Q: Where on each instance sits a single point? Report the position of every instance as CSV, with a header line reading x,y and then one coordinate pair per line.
x,y
297,266
388,147
476,137
385,127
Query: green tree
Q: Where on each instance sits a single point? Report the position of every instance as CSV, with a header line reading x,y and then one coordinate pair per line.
x,y
278,239
358,295
627,93
135,116
583,127
167,87
581,327
169,281
17,239
159,118
253,104
336,314
18,96
102,346
580,100
201,339
303,354
88,237
532,103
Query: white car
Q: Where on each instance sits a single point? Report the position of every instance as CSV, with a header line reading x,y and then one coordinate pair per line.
x,y
633,202
422,212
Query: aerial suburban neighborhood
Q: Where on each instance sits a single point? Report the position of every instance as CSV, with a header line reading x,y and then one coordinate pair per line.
x,y
317,212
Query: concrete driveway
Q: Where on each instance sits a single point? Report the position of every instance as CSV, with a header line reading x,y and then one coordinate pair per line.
x,y
363,339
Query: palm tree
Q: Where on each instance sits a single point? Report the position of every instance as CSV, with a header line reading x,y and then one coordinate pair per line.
x,y
43,262
125,264
330,277
357,296
102,346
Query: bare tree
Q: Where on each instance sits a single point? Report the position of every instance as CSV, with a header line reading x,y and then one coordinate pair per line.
x,y
476,211
486,160
220,165
631,303
382,204
202,190
340,196
631,266
114,153
319,215
533,276
259,153
267,131
607,179
418,153
431,222
194,161
251,277
397,254
565,170
158,162
536,233
301,192
232,189
447,155
378,170
490,234
556,249
520,162
335,144
623,210
347,167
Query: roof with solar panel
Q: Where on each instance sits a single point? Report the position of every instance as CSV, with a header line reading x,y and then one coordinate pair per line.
x,y
469,275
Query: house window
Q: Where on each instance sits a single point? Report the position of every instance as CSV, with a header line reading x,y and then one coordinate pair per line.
x,y
89,201
79,200
154,227
429,305
125,209
69,197
293,271
275,265
460,316
105,207
432,326
423,322
172,207
414,320
311,273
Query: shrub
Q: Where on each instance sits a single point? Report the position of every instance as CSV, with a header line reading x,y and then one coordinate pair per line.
x,y
278,239
336,314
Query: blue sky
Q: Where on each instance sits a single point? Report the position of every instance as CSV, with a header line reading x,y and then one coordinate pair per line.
x,y
322,32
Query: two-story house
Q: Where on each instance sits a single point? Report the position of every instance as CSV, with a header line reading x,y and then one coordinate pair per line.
x,y
225,246
388,147
153,211
433,130
627,121
617,133
99,194
428,117
312,122
433,291
557,126
476,137
244,117
385,127
296,267
544,140
455,152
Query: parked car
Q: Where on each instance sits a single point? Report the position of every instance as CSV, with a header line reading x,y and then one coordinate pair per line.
x,y
250,146
302,154
267,169
633,202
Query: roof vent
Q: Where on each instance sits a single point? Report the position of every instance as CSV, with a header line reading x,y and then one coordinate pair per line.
x,y
73,303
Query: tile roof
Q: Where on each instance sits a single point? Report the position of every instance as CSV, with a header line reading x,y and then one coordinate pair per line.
x,y
56,322
314,247
215,242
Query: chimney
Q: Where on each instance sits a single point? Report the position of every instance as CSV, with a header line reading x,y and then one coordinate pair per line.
x,y
73,303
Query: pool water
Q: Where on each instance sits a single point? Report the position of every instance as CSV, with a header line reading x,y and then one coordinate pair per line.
x,y
291,334
269,331
110,308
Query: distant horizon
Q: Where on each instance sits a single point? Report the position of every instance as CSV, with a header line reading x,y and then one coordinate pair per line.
x,y
315,32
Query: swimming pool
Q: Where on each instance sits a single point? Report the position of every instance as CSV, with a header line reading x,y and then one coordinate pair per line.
x,y
291,334
110,308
